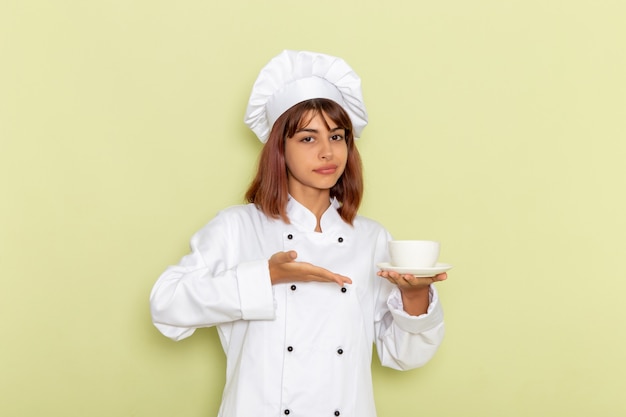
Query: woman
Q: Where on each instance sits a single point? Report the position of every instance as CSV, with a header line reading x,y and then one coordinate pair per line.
x,y
290,279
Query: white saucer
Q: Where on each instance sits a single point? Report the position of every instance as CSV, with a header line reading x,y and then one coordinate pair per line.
x,y
418,272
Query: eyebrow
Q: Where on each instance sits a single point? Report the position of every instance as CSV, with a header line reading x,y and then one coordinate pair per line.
x,y
305,129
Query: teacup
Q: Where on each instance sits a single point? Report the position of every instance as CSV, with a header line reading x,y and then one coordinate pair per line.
x,y
414,253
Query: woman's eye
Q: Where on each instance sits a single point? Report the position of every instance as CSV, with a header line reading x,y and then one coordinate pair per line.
x,y
337,137
308,139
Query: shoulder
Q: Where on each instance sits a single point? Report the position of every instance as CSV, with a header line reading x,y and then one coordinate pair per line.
x,y
362,221
241,214
240,210
231,224
369,226
232,218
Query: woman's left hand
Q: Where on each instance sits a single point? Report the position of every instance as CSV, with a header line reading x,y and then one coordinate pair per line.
x,y
415,290
409,282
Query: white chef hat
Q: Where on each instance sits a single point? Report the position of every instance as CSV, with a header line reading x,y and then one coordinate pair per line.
x,y
295,76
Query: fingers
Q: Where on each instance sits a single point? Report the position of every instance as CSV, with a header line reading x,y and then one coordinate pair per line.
x,y
440,277
283,268
278,263
340,279
316,273
284,257
411,281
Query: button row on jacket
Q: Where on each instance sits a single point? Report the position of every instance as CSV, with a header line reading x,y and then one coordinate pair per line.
x,y
339,350
287,412
293,288
290,237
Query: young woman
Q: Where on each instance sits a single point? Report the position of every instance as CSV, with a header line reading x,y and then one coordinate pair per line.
x,y
290,279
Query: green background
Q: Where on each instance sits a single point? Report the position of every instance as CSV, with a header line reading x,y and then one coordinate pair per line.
x,y
496,127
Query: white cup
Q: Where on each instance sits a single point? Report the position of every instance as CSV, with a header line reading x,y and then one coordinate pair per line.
x,y
414,253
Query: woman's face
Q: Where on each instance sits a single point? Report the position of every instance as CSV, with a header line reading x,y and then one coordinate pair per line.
x,y
315,155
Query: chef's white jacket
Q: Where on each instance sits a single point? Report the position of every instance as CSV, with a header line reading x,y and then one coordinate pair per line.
x,y
300,349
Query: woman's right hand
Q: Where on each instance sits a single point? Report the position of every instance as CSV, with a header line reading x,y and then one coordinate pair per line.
x,y
284,268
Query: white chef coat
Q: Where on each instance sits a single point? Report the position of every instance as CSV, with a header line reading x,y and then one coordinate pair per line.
x,y
299,349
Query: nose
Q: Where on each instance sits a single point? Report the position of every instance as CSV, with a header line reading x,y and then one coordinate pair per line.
x,y
326,150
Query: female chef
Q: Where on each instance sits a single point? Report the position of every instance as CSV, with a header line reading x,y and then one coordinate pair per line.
x,y
290,279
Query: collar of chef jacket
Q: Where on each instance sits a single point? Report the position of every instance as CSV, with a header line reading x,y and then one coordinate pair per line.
x,y
303,217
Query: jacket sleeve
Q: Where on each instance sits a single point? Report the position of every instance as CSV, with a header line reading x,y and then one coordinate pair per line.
x,y
211,286
403,341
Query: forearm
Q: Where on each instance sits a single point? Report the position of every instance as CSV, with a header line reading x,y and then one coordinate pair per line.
x,y
415,301
407,340
198,299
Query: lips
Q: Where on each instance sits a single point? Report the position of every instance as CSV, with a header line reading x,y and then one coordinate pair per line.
x,y
326,170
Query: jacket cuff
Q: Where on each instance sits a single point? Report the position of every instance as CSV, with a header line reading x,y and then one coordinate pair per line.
x,y
255,291
415,324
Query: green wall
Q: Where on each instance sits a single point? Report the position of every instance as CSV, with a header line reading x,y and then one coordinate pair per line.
x,y
497,127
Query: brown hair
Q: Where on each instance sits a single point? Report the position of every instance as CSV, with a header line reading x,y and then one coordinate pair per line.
x,y
269,190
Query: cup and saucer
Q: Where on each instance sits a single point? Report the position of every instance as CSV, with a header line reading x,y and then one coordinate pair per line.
x,y
415,257
418,271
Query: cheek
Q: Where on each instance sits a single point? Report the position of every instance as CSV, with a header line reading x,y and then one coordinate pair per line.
x,y
289,158
293,161
343,153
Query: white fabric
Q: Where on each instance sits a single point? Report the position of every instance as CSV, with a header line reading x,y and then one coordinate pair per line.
x,y
225,282
298,91
295,76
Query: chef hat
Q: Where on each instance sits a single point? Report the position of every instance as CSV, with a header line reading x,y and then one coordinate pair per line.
x,y
295,76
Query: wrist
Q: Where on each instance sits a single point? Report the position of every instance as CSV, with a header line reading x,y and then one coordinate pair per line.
x,y
415,292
